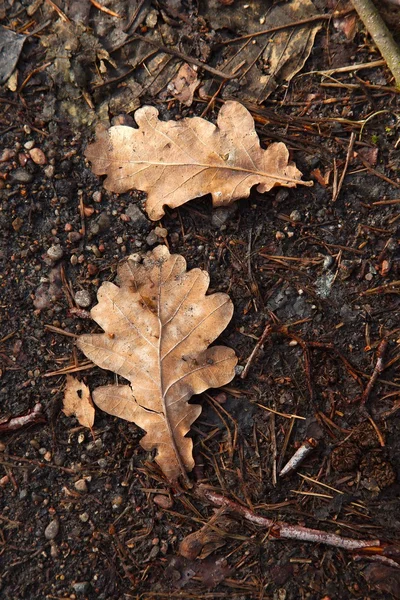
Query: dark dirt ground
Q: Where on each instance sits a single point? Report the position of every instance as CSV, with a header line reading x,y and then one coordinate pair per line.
x,y
322,271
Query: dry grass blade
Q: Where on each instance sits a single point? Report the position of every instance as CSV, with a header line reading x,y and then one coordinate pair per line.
x,y
159,324
176,161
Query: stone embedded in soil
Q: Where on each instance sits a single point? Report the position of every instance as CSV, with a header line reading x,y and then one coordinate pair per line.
x,y
83,298
152,238
7,155
81,486
52,529
22,176
38,156
136,216
161,232
17,223
74,237
163,501
49,171
84,517
55,252
102,223
220,216
295,216
81,587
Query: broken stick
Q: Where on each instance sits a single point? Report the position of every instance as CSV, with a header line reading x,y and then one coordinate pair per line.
x,y
381,35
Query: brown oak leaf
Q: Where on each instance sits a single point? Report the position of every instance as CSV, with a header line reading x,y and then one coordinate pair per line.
x,y
158,325
176,161
78,402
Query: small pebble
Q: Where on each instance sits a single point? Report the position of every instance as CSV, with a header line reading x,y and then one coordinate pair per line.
x,y
81,486
280,235
92,269
161,232
38,156
74,236
96,196
22,176
96,251
83,298
49,171
23,159
17,224
37,498
117,501
84,517
152,238
2,447
6,155
53,549
81,587
55,252
163,501
52,529
328,262
295,216
29,144
281,195
136,216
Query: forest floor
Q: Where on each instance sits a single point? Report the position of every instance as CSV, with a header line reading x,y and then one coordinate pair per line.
x,y
91,516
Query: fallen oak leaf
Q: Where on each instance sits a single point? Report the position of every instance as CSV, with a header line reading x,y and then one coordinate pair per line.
x,y
176,161
78,402
159,324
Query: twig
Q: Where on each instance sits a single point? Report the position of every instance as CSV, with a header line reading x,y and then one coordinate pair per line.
x,y
381,35
282,530
177,54
32,417
346,164
379,367
313,19
134,15
301,453
263,337
105,9
58,10
348,68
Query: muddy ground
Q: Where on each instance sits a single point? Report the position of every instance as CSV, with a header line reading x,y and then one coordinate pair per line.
x,y
92,517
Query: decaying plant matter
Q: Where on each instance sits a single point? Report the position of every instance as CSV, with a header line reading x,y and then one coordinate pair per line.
x,y
176,161
158,325
78,402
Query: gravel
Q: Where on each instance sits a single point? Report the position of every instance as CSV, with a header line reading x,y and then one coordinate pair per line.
x,y
52,529
55,252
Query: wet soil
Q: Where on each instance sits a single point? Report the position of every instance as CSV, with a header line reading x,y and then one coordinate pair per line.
x,y
81,514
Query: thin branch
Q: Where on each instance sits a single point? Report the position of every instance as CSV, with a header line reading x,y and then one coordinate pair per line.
x,y
282,530
32,417
381,35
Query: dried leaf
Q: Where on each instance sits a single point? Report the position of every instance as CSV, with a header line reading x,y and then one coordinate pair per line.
x,y
177,161
159,324
184,84
268,59
78,402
